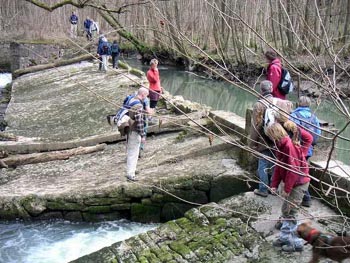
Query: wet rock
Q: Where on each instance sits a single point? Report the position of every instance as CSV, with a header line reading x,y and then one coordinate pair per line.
x,y
34,205
73,216
145,213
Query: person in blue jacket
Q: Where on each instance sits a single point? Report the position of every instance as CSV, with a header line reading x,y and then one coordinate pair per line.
x,y
303,117
87,28
73,25
115,54
103,50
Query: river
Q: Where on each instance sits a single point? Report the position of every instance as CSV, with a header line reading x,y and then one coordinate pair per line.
x,y
60,241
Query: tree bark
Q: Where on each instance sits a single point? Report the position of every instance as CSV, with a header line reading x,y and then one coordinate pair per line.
x,y
16,160
7,136
32,69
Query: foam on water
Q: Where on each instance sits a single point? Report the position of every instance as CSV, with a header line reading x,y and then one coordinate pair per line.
x,y
5,78
61,241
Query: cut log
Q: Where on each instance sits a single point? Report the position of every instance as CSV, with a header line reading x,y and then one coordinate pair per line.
x,y
16,160
7,136
32,69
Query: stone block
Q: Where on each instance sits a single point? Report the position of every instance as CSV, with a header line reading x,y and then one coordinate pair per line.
x,y
34,206
62,205
50,215
145,213
136,191
125,206
188,195
172,211
98,209
101,217
73,216
225,186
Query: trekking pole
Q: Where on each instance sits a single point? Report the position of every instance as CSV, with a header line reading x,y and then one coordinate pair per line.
x,y
298,86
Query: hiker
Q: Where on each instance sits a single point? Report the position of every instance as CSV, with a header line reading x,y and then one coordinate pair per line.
x,y
154,83
136,134
87,28
115,53
103,50
274,73
73,25
94,29
259,141
302,116
292,169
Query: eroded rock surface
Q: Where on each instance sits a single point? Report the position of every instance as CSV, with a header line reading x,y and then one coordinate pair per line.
x,y
66,103
237,229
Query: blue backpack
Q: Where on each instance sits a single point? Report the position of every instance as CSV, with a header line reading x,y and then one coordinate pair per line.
x,y
124,110
105,48
115,48
306,124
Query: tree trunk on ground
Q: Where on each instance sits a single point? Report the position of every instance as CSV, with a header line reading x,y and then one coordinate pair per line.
x,y
59,63
7,136
16,160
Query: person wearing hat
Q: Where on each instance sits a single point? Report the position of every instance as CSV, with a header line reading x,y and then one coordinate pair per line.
x,y
259,141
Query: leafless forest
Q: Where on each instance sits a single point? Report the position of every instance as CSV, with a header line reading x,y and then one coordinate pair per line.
x,y
228,27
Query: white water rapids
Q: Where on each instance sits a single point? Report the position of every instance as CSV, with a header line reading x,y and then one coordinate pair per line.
x,y
61,241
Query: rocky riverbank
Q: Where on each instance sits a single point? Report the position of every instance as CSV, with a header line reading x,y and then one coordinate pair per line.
x,y
237,229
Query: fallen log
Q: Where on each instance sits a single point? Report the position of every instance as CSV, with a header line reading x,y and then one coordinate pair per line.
x,y
16,160
7,136
20,72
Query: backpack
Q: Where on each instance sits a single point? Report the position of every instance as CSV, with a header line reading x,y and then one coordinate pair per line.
x,y
105,47
122,118
308,127
270,114
115,48
285,85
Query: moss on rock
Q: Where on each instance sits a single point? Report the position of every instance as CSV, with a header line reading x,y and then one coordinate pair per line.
x,y
62,205
98,209
145,213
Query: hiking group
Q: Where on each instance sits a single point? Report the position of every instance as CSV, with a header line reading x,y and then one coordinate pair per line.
x,y
90,27
284,139
106,49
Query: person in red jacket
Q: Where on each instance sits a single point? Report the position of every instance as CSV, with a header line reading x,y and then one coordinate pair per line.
x,y
292,168
299,136
154,83
274,73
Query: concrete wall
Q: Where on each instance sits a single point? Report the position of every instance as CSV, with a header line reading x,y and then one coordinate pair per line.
x,y
15,56
5,57
26,55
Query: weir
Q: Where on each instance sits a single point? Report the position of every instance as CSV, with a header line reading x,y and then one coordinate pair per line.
x,y
182,168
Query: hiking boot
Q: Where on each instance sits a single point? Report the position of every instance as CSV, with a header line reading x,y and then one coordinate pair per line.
x,y
278,243
306,203
133,179
260,193
290,248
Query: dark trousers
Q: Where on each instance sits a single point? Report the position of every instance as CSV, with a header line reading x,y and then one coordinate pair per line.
x,y
115,57
100,63
307,196
153,104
